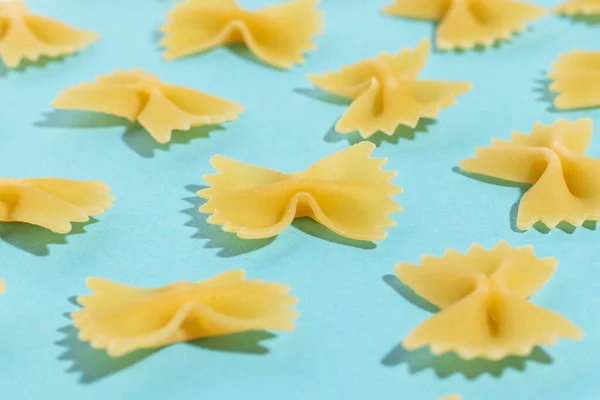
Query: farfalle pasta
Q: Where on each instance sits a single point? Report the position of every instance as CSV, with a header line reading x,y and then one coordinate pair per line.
x,y
565,182
278,35
386,92
140,96
27,36
463,24
576,79
122,318
52,203
483,301
346,191
579,7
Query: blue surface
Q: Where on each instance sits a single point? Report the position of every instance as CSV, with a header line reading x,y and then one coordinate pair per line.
x,y
352,318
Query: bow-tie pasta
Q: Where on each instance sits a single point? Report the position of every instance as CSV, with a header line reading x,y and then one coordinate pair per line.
x,y
140,96
26,36
483,300
122,318
52,203
279,35
565,182
576,79
346,191
464,24
579,7
386,92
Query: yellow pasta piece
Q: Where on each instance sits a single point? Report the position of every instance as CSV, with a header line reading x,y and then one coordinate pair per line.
x,y
140,96
278,35
579,7
467,23
346,191
52,203
482,296
26,36
122,318
566,183
576,78
2,286
452,397
386,92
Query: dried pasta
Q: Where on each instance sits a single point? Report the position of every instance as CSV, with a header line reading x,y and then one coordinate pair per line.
x,y
140,96
278,35
346,191
386,92
482,296
565,182
122,318
464,24
579,7
2,286
576,79
52,203
452,397
27,36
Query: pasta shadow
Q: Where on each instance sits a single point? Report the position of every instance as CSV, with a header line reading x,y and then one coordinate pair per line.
x,y
75,119
242,51
402,132
24,65
228,242
585,19
449,364
313,228
36,240
140,141
94,364
321,95
134,135
542,88
243,342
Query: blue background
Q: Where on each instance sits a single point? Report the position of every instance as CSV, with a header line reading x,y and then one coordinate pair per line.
x,y
353,313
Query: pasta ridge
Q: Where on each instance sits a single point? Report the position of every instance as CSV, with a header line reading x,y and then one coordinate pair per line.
x,y
346,191
576,79
27,36
52,203
579,7
487,290
564,181
160,108
279,35
122,318
464,24
386,93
